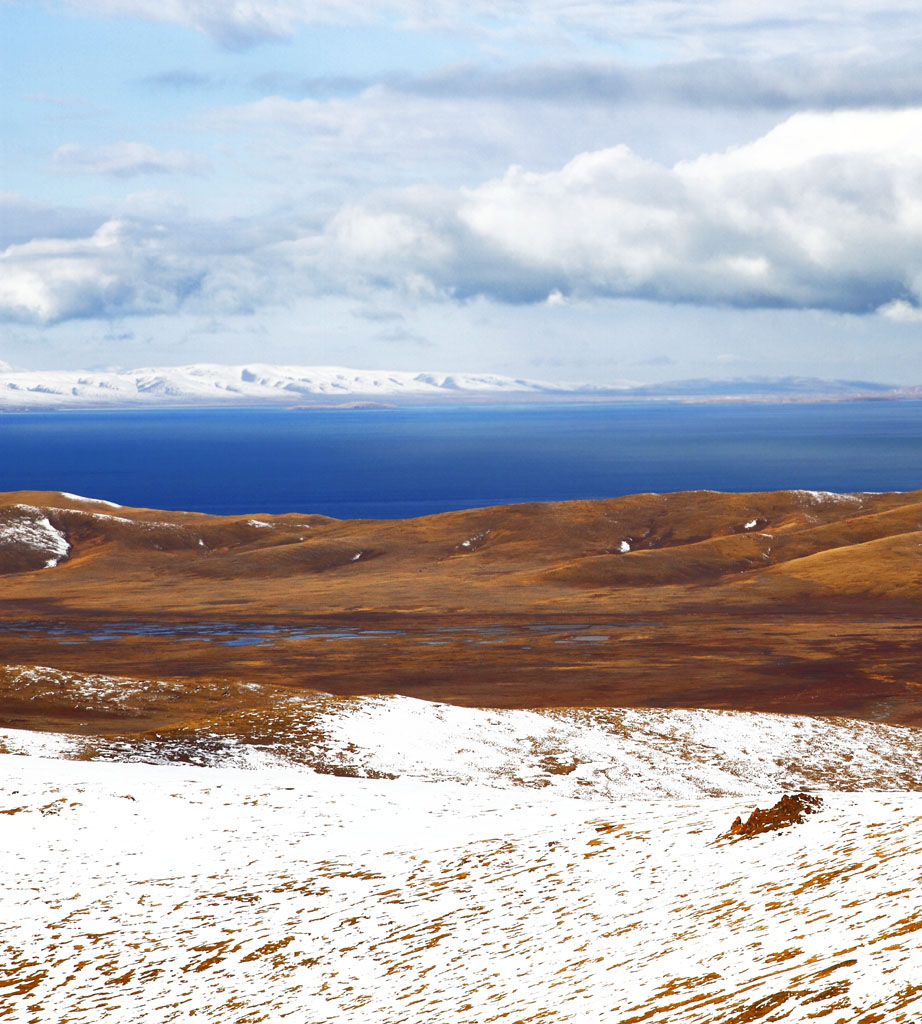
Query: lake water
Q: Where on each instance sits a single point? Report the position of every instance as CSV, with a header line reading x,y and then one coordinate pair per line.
x,y
415,461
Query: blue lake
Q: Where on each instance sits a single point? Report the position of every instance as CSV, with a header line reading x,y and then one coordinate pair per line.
x,y
415,461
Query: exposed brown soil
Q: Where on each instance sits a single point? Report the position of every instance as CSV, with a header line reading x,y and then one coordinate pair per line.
x,y
780,601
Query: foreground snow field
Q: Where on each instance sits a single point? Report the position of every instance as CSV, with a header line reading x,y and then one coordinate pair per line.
x,y
159,892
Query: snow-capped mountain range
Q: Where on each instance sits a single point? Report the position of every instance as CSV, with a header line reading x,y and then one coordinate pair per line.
x,y
213,384
254,383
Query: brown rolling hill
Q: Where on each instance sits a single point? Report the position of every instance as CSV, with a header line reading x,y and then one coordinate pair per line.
x,y
790,600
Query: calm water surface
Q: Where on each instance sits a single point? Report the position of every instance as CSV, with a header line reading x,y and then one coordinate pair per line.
x,y
410,462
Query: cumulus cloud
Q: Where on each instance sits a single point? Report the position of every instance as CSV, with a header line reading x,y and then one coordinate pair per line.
x,y
127,160
728,26
137,264
822,212
902,312
112,271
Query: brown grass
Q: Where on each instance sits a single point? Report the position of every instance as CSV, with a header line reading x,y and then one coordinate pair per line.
x,y
819,617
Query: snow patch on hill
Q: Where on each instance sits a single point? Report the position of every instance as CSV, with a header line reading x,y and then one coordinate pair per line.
x,y
821,497
89,501
27,529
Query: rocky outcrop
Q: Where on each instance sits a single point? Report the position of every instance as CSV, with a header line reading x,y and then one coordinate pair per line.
x,y
789,810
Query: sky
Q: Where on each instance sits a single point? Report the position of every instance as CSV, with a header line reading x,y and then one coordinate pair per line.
x,y
572,190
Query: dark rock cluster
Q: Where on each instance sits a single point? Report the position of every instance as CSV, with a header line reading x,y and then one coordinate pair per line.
x,y
789,810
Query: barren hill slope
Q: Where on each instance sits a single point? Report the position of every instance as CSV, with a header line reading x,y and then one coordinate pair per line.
x,y
791,600
642,540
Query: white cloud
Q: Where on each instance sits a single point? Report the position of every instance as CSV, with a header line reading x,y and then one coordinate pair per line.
x,y
823,212
116,269
725,26
127,159
901,312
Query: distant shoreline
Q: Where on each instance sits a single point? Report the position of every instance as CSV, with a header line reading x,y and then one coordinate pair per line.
x,y
471,399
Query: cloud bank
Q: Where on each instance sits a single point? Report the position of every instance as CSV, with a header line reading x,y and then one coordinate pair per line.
x,y
822,212
785,83
728,26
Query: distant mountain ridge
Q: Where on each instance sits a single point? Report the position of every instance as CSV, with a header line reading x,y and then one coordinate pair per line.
x,y
212,384
252,383
769,386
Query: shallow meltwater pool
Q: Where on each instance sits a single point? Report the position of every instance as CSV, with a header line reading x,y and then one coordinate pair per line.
x,y
231,634
236,634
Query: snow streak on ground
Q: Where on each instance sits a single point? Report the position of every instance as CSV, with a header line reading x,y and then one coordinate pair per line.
x,y
137,893
89,501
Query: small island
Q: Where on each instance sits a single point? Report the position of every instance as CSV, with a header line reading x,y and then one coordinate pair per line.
x,y
314,406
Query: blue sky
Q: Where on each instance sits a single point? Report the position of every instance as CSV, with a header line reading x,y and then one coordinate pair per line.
x,y
589,191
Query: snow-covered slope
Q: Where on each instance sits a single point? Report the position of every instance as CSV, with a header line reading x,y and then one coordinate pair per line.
x,y
135,893
386,860
576,753
213,384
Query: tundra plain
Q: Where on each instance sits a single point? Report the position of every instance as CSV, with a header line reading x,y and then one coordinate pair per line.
x,y
793,601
